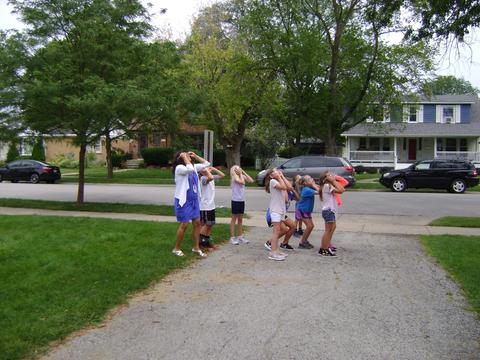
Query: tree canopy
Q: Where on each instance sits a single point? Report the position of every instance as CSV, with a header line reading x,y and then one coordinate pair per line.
x,y
449,85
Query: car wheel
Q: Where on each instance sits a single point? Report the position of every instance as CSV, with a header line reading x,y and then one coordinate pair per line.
x,y
458,186
398,185
34,178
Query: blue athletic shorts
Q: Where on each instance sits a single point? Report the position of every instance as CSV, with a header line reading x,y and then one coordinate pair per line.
x,y
188,212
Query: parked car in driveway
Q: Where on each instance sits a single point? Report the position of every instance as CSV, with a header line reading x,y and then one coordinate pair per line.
x,y
313,165
452,175
29,170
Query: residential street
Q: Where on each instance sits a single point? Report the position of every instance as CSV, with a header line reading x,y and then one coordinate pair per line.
x,y
410,203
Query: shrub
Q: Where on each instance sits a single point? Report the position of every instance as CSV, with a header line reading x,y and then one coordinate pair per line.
x,y
290,151
247,161
119,157
66,161
219,157
12,153
360,169
384,170
38,151
371,170
93,161
157,156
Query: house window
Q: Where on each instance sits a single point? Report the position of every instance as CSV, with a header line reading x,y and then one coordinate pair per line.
x,y
439,144
448,115
451,145
156,139
362,145
25,148
374,144
463,145
411,113
386,144
96,148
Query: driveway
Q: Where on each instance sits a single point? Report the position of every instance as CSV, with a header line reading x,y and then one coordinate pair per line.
x,y
383,298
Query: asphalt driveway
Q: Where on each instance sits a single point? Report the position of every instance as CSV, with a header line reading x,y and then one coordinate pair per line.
x,y
383,298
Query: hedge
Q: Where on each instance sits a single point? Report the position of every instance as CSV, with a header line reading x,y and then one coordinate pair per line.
x,y
157,156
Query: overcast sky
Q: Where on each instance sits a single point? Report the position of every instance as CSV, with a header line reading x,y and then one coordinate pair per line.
x,y
176,23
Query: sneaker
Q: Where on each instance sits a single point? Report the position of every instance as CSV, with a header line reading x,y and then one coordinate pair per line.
x,y
242,240
333,248
199,252
305,245
297,234
326,253
300,232
286,246
285,255
276,257
234,240
207,245
268,246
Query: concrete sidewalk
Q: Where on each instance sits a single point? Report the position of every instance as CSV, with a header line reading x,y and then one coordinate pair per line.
x,y
373,224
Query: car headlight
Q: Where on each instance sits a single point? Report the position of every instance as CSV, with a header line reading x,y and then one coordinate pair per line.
x,y
386,174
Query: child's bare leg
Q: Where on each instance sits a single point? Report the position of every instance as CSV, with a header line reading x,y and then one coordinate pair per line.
x,y
232,225
196,233
327,235
240,225
180,234
275,235
290,229
308,229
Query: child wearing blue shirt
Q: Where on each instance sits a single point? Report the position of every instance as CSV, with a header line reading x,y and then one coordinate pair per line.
x,y
304,209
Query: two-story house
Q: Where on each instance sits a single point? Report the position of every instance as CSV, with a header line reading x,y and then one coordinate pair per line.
x,y
437,127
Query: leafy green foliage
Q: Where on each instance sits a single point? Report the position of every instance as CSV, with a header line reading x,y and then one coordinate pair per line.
x,y
449,85
38,151
157,156
12,153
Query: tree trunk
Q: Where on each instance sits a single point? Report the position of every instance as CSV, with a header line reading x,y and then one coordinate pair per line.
x,y
233,154
108,149
81,173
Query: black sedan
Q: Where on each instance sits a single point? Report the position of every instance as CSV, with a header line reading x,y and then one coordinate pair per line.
x,y
452,175
29,170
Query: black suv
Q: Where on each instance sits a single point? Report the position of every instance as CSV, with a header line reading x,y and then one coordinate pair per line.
x,y
452,175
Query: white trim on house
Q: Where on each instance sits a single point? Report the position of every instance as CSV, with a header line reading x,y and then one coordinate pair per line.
x,y
442,118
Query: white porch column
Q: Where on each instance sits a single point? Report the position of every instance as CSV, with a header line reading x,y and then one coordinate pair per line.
x,y
348,148
395,153
434,147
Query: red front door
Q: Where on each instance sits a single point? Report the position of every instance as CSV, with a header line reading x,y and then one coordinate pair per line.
x,y
412,149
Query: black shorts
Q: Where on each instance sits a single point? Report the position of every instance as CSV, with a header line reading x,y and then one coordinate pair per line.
x,y
238,207
207,217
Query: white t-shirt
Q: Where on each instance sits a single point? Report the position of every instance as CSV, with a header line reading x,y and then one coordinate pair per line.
x,y
277,198
238,191
329,201
207,199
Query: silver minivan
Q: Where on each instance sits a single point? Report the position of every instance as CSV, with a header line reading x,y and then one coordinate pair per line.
x,y
313,165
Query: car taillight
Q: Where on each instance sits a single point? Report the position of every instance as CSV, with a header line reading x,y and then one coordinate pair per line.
x,y
47,169
474,173
348,169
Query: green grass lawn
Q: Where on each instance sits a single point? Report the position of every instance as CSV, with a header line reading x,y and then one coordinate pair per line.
x,y
60,274
460,221
139,176
460,256
166,210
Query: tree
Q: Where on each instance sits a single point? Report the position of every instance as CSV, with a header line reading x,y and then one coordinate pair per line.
x,y
13,153
446,18
38,151
445,85
13,52
332,60
72,75
234,92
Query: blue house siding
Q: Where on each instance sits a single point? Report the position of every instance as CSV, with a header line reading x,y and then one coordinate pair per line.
x,y
429,113
465,114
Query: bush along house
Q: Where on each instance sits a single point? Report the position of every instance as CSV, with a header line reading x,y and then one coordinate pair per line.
x,y
437,127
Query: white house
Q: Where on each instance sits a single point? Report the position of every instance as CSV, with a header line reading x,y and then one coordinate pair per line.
x,y
438,127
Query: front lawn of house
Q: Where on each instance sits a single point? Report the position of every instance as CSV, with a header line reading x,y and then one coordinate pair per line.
x,y
460,257
60,274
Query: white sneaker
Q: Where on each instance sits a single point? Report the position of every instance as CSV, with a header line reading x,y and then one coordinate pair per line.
x,y
276,257
234,240
199,252
242,240
282,253
267,246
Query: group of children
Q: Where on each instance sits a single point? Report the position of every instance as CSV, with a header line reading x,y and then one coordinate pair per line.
x,y
195,201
